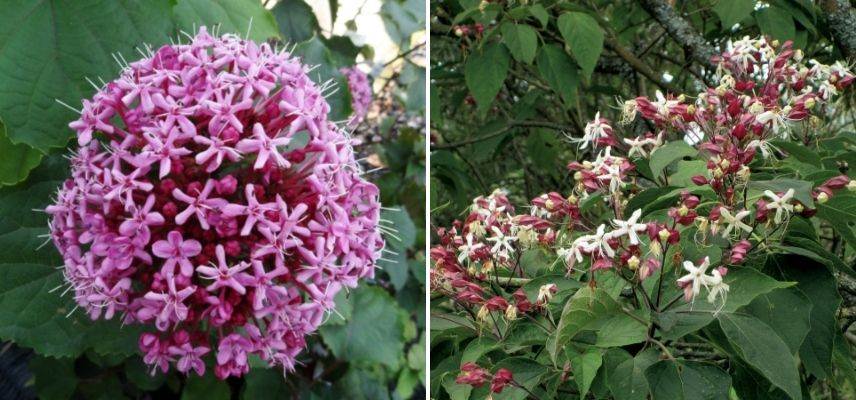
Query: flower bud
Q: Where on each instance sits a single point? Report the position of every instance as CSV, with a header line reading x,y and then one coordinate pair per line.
x,y
511,312
664,235
822,198
633,263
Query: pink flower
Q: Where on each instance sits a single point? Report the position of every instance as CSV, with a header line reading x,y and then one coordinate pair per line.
x,y
154,188
199,205
224,275
166,307
265,147
232,356
254,211
189,358
361,94
176,250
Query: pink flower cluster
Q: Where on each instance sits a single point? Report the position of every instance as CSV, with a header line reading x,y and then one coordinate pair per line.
x,y
211,198
361,94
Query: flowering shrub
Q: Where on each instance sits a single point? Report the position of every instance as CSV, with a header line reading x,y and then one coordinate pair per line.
x,y
613,289
361,94
211,198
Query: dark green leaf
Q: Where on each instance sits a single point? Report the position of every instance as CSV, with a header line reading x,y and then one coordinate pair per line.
x,y
232,16
787,311
521,40
557,68
731,12
687,380
296,20
485,72
401,226
585,367
776,22
763,349
584,37
359,339
17,160
48,48
669,153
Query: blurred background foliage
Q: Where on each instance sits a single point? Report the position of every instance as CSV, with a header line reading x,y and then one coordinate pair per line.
x,y
511,79
374,348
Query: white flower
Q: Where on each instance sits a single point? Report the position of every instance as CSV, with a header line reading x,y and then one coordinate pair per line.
x,y
636,147
734,221
467,249
597,242
780,204
502,243
629,227
663,106
716,287
776,118
594,130
764,145
693,135
613,175
545,293
695,278
573,254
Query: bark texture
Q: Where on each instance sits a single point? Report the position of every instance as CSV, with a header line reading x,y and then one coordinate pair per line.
x,y
680,31
841,20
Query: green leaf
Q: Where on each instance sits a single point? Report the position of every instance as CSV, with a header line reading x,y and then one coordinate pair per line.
x,y
402,18
669,153
296,20
730,12
745,285
265,383
820,287
48,48
799,151
540,14
557,68
543,146
364,337
687,380
526,372
54,377
764,350
206,387
584,307
17,159
840,212
627,379
232,16
477,348
584,37
403,228
787,311
621,330
776,22
140,375
585,368
521,40
485,73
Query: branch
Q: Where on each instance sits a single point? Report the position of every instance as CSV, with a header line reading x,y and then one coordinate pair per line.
x,y
508,126
841,20
681,31
637,64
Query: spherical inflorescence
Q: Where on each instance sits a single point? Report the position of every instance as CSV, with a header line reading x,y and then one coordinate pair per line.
x,y
361,94
211,198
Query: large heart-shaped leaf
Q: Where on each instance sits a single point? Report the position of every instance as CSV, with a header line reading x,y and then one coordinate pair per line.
x,y
49,47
